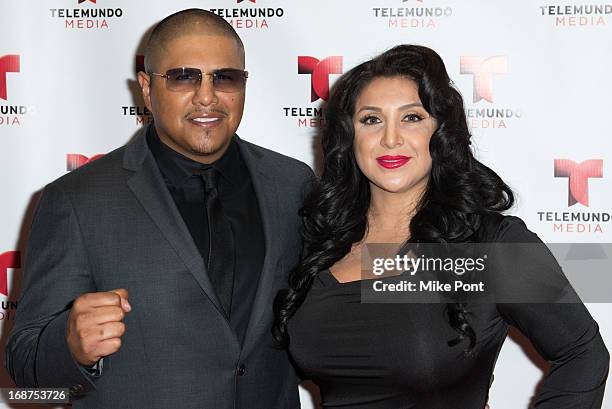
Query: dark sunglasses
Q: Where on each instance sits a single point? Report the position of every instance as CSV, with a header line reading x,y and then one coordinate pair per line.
x,y
189,79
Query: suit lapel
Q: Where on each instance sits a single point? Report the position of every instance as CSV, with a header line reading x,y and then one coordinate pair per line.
x,y
267,194
148,186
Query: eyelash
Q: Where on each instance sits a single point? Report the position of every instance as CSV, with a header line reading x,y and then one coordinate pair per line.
x,y
366,119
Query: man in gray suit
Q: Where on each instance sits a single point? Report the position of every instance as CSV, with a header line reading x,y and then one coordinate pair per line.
x,y
151,272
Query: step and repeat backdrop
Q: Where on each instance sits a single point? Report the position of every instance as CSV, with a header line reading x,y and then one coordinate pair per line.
x,y
534,74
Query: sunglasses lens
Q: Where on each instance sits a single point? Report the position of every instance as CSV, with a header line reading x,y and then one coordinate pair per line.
x,y
229,80
183,79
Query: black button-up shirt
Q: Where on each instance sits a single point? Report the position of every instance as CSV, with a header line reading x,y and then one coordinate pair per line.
x,y
239,204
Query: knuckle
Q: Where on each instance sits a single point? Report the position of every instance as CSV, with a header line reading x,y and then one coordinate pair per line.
x,y
82,336
119,314
87,348
81,320
78,303
116,343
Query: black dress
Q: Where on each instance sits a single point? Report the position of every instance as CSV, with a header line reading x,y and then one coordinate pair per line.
x,y
392,356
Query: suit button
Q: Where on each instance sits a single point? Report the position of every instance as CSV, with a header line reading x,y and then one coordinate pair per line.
x,y
76,390
241,370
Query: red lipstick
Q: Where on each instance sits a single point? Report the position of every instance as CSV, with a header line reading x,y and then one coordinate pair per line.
x,y
392,161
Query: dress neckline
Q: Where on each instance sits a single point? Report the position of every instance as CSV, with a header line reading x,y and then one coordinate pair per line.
x,y
328,278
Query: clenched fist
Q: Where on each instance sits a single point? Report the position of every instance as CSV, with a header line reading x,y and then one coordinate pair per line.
x,y
95,325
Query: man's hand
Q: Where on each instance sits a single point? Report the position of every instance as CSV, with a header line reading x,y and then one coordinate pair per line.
x,y
95,325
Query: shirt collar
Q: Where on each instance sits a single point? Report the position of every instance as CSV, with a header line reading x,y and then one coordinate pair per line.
x,y
178,168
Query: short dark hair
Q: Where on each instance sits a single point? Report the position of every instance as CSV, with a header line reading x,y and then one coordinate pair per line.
x,y
186,22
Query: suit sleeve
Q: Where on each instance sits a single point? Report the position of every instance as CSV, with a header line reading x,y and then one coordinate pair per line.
x,y
56,271
308,180
563,333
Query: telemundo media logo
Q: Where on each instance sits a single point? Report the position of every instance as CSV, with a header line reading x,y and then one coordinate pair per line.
x,y
8,63
319,72
577,15
578,175
484,113
139,113
9,260
76,160
413,14
85,16
10,70
581,218
247,16
483,70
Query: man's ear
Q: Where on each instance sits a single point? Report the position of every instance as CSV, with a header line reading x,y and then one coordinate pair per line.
x,y
145,85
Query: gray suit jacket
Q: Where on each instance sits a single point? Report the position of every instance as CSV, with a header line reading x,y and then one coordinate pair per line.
x,y
112,224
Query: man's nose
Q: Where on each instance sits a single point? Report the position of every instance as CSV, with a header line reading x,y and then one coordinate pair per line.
x,y
205,94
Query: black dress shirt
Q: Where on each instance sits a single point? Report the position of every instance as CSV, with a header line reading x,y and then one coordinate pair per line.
x,y
239,204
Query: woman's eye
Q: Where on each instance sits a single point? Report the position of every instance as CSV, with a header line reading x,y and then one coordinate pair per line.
x,y
369,120
413,118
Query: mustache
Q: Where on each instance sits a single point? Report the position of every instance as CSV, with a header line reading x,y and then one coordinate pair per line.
x,y
218,111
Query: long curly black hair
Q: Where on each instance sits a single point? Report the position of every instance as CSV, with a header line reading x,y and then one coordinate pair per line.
x,y
460,189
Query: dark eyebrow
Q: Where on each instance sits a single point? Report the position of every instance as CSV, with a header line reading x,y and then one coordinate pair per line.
x,y
376,109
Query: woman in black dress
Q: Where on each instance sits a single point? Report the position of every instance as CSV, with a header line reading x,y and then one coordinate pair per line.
x,y
398,169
